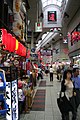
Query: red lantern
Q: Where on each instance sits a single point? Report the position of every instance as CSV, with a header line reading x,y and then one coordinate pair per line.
x,y
18,50
21,50
8,42
4,36
13,44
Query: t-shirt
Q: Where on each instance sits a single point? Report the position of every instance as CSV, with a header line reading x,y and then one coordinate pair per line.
x,y
69,88
39,70
76,81
51,70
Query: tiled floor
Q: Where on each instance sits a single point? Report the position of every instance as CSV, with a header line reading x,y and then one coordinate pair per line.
x,y
51,109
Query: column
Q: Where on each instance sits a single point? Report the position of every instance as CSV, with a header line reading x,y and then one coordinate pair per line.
x,y
52,52
32,40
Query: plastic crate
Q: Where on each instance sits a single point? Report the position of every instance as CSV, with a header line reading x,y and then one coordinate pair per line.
x,y
4,111
4,82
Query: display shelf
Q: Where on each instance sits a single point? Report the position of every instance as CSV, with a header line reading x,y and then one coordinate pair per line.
x,y
2,92
3,117
3,105
11,92
10,73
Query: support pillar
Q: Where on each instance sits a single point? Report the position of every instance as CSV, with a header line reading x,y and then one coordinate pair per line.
x,y
32,40
52,52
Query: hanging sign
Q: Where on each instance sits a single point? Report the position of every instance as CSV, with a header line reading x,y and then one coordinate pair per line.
x,y
65,40
14,100
38,27
52,16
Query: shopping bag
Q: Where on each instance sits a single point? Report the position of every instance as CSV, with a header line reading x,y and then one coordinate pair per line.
x,y
63,104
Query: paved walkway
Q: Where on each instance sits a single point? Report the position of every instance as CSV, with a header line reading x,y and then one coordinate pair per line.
x,y
51,109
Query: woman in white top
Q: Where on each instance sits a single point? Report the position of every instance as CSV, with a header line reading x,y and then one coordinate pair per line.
x,y
51,73
68,88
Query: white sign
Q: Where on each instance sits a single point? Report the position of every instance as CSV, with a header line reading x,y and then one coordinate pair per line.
x,y
65,40
38,27
14,100
8,101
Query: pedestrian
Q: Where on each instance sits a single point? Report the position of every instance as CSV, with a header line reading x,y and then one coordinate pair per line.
x,y
40,74
76,80
51,73
46,70
34,77
67,87
59,73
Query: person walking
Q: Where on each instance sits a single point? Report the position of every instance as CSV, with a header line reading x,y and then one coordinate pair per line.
x,y
59,73
67,87
76,80
40,75
51,73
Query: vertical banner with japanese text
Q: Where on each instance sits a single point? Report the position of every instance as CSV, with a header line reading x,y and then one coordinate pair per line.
x,y
14,100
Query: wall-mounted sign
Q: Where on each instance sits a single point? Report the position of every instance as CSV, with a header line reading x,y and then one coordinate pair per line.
x,y
38,27
52,16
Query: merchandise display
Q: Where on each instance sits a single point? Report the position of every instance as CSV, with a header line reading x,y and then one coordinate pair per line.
x,y
3,104
1,82
25,93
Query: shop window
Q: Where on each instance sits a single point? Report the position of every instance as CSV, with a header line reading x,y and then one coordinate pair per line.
x,y
75,35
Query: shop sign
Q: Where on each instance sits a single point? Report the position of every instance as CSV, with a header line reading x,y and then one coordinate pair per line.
x,y
8,101
33,50
52,16
46,52
14,100
38,27
75,36
34,55
65,41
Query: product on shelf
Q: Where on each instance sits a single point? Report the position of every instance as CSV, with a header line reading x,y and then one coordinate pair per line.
x,y
3,105
1,82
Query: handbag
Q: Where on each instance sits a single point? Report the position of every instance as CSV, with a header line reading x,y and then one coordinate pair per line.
x,y
63,103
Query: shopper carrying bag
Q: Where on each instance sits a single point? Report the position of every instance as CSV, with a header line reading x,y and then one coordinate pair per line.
x,y
63,103
66,103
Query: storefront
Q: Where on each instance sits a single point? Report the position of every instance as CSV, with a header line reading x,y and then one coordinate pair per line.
x,y
74,44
